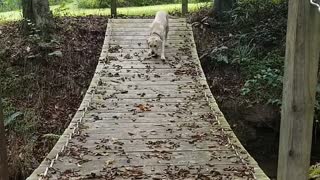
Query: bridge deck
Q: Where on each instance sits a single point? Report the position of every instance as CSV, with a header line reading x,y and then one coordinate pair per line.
x,y
148,119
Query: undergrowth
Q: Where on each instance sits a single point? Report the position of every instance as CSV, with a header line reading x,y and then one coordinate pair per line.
x,y
253,44
250,39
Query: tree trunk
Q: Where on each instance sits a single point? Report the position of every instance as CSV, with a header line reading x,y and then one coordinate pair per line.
x,y
38,13
4,175
221,6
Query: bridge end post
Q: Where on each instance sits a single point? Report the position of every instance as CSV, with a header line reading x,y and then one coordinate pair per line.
x,y
299,90
113,8
184,7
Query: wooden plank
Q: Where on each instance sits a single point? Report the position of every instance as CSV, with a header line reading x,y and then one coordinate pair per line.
x,y
141,95
103,146
148,107
141,71
187,171
147,25
132,66
4,173
158,158
300,80
147,29
143,41
133,21
146,78
154,84
122,115
148,125
144,54
98,119
144,37
170,47
180,88
133,58
185,33
142,75
103,90
142,100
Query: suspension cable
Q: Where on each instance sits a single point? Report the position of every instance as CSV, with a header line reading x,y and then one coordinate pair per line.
x,y
315,4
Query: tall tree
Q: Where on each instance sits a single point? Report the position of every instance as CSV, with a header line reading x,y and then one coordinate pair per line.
x,y
38,12
4,175
222,5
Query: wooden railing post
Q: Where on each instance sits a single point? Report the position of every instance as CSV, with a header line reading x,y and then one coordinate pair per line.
x,y
184,7
4,175
299,89
114,8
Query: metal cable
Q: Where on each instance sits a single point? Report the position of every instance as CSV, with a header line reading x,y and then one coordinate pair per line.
x,y
315,4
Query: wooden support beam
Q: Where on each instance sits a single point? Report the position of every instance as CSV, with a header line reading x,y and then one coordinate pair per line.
x,y
113,8
184,7
4,175
300,80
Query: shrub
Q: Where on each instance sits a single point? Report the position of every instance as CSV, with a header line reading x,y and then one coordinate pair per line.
x,y
10,5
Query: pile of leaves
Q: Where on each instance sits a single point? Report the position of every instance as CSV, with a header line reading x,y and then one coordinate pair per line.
x,y
42,84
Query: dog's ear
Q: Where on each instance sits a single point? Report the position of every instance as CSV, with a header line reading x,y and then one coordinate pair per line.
x,y
158,41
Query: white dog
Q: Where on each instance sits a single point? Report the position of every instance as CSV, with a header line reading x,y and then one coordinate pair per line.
x,y
159,34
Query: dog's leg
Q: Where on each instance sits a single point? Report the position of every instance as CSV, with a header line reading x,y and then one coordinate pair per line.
x,y
164,42
162,49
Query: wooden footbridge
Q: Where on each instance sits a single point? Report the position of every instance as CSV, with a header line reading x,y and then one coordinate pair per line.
x,y
144,118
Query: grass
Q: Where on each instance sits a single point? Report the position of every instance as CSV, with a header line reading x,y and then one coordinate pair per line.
x,y
73,10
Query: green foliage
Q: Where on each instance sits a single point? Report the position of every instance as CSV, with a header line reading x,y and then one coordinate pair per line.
x,y
314,172
15,120
61,10
267,80
125,3
10,5
257,30
12,118
56,2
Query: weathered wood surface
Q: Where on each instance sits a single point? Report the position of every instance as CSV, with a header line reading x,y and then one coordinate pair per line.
x,y
299,90
149,119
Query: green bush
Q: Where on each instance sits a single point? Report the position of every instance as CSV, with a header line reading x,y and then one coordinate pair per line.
x,y
55,2
10,5
126,3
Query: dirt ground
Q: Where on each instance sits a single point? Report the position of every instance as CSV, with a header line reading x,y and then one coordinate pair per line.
x,y
47,88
